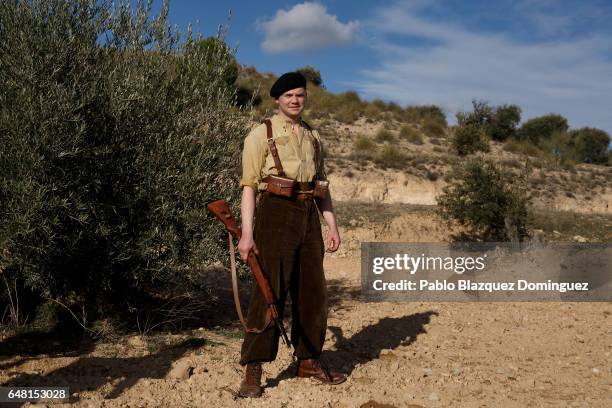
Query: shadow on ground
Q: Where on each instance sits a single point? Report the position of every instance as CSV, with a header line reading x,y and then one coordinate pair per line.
x,y
367,344
27,345
93,373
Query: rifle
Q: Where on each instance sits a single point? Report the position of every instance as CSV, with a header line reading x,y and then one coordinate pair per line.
x,y
221,210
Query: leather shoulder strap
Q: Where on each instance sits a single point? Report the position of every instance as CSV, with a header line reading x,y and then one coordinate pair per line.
x,y
273,150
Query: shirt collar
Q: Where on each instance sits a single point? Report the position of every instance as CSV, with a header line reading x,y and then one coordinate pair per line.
x,y
284,122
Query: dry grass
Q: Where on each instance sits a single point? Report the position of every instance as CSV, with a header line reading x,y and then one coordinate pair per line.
x,y
567,224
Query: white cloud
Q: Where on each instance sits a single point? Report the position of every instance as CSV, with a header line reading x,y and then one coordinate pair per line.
x,y
572,77
306,26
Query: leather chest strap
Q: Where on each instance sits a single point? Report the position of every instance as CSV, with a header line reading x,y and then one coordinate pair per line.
x,y
273,150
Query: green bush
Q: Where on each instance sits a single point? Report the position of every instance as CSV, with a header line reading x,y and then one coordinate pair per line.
x,y
499,123
347,106
424,113
391,157
590,145
560,146
469,139
372,111
541,128
481,115
514,146
363,147
504,122
312,74
433,128
114,134
411,134
490,202
346,114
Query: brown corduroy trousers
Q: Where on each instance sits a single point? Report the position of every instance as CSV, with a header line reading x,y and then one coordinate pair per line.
x,y
288,236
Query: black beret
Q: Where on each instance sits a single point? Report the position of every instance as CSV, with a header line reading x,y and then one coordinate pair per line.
x,y
287,82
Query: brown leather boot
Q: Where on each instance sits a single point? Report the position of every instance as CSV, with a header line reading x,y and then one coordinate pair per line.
x,y
313,368
250,387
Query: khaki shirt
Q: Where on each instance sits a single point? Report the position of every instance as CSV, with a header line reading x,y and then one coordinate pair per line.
x,y
296,154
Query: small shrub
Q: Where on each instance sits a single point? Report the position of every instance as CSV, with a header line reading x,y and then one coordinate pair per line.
x,y
515,146
311,74
391,156
432,176
347,114
363,143
489,201
420,114
383,135
433,128
363,148
469,139
371,112
411,135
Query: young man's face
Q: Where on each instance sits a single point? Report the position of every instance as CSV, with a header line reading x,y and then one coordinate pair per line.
x,y
293,102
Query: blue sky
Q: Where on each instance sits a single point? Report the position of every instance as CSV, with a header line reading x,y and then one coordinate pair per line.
x,y
544,55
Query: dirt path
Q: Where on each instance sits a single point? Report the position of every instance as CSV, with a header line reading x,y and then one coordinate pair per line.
x,y
398,354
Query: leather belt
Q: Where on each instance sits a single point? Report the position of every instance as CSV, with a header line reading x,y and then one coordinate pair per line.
x,y
295,196
302,187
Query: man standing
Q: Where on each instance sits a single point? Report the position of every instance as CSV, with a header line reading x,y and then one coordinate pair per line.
x,y
285,232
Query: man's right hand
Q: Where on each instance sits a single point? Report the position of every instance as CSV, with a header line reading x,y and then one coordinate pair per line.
x,y
245,245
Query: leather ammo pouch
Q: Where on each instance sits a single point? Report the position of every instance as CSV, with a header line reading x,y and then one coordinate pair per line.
x,y
320,189
279,185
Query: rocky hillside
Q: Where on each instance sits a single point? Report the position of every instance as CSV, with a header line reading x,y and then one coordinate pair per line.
x,y
417,173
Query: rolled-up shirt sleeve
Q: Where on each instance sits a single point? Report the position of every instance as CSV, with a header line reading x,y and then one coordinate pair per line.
x,y
253,158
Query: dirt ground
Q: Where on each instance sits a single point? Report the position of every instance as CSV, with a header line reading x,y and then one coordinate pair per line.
x,y
397,355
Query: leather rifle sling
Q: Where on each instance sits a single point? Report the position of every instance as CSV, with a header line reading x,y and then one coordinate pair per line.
x,y
273,150
237,297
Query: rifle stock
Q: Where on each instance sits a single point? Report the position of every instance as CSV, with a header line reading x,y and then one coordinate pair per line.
x,y
221,210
